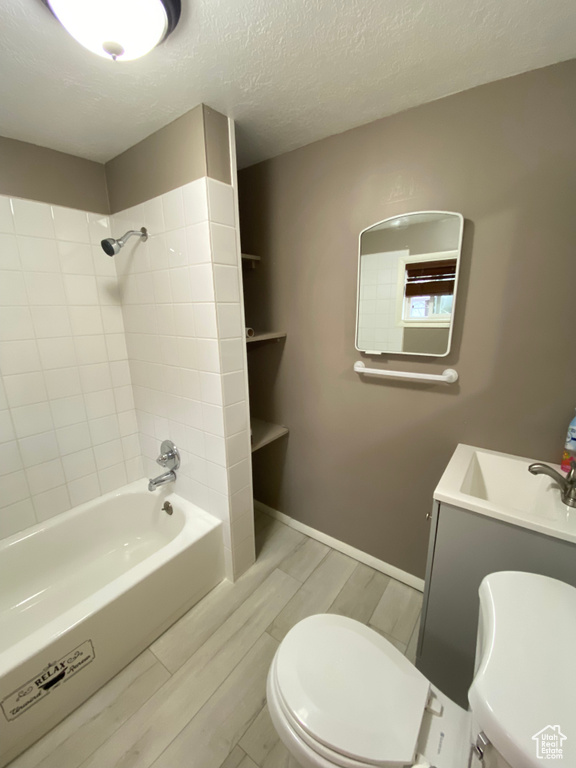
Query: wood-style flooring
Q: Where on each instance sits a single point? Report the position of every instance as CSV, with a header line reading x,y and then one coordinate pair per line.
x,y
196,698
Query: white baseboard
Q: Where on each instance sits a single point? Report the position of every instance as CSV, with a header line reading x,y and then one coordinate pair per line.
x,y
357,554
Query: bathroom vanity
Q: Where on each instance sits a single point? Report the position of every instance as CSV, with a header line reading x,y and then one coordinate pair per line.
x,y
489,514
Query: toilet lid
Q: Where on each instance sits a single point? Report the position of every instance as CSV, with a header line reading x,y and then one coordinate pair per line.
x,y
351,690
523,695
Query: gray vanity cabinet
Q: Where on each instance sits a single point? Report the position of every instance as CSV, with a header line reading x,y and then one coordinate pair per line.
x,y
464,547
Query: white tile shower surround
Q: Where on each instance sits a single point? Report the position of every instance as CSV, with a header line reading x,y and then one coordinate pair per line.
x,y
68,429
181,301
68,324
196,697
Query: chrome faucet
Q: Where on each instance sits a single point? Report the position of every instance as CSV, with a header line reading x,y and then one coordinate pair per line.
x,y
169,457
567,484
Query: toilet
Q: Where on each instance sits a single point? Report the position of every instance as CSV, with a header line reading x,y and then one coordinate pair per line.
x,y
339,694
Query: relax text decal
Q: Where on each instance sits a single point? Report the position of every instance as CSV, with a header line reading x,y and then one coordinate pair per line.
x,y
51,677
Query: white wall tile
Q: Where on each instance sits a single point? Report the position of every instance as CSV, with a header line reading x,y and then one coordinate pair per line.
x,y
91,350
38,449
45,289
104,430
51,321
32,419
211,388
205,321
79,464
68,410
127,423
57,352
43,477
14,488
6,219
221,203
198,243
51,503
73,438
38,254
7,432
239,476
24,389
9,258
224,250
154,217
232,352
233,385
177,248
208,357
62,382
213,419
84,489
98,228
10,460
112,478
16,517
243,556
32,218
195,200
18,357
81,290
70,224
100,403
215,448
230,321
241,503
12,289
95,377
202,282
112,321
238,446
180,285
226,283
76,258
184,320
108,454
173,209
236,418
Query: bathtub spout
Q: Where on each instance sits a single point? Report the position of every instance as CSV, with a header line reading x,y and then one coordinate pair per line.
x,y
166,477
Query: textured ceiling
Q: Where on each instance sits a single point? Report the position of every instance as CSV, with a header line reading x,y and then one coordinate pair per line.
x,y
288,71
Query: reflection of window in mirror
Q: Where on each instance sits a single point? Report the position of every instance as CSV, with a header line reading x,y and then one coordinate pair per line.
x,y
426,290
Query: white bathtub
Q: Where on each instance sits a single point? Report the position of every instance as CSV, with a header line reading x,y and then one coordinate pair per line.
x,y
82,594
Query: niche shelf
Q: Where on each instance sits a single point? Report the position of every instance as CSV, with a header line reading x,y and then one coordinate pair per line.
x,y
263,433
248,258
270,336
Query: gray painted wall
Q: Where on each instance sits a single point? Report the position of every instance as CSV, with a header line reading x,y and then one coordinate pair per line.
x,y
363,456
190,147
37,173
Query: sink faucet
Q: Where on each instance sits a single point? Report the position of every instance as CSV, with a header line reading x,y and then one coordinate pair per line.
x,y
567,484
170,458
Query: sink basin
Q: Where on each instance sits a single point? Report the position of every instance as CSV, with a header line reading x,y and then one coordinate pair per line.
x,y
499,485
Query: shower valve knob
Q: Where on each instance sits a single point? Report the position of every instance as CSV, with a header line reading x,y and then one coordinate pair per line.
x,y
169,456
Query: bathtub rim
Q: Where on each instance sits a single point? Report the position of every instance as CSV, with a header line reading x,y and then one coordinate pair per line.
x,y
25,649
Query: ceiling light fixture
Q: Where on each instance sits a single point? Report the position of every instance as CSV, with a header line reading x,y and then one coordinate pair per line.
x,y
121,30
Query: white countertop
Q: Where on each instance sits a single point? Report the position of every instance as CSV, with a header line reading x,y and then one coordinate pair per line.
x,y
499,485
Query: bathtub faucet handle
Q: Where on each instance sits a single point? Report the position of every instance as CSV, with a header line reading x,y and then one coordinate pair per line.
x,y
169,456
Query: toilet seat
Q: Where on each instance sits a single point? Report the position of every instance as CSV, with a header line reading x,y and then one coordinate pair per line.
x,y
348,693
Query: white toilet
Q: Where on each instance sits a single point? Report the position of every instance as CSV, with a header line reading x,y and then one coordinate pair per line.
x,y
339,694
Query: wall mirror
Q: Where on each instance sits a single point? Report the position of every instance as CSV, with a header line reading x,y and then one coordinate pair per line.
x,y
407,277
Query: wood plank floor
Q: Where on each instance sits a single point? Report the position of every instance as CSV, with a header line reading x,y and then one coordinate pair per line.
x,y
196,697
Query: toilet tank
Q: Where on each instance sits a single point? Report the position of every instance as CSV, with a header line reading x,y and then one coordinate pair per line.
x,y
522,696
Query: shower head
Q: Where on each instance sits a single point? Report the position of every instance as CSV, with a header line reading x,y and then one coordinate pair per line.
x,y
111,247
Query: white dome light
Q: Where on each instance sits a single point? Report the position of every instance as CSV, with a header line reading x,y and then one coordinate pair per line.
x,y
117,29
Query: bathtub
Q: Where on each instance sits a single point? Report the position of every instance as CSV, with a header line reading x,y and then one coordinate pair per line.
x,y
83,593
